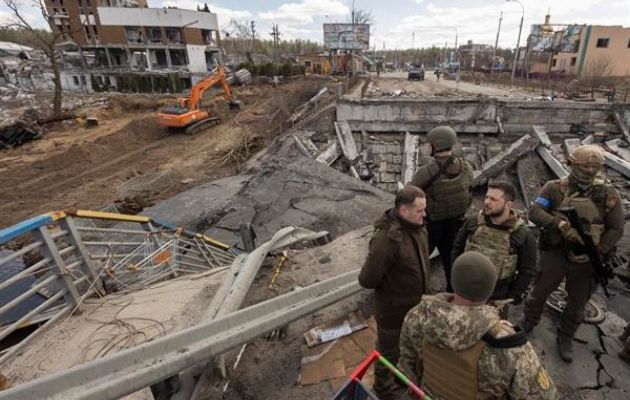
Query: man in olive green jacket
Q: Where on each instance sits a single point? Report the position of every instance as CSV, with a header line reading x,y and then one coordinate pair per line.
x,y
397,268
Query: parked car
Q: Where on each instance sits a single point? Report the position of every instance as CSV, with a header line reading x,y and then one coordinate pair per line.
x,y
415,73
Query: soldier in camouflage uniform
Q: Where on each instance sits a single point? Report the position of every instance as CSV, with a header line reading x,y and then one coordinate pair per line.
x,y
562,253
499,233
397,269
447,180
457,347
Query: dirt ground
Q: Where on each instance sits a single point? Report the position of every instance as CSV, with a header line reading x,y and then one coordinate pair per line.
x,y
74,166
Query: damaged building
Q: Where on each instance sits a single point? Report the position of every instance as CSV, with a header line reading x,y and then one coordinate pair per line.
x,y
127,46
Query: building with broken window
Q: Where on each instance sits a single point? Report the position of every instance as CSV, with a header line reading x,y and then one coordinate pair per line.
x,y
126,45
579,50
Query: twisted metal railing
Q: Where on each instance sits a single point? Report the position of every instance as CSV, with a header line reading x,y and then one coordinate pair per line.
x,y
51,263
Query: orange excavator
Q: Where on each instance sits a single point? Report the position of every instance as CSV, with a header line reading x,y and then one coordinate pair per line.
x,y
186,115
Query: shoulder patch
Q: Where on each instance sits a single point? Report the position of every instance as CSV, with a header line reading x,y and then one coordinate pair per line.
x,y
543,202
542,378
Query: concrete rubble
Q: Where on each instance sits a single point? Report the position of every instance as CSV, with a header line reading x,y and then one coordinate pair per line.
x,y
335,170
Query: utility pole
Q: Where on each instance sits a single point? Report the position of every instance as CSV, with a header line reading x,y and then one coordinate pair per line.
x,y
496,44
275,33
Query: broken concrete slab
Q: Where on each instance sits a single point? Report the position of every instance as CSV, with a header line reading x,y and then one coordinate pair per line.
x,y
300,193
622,125
620,148
346,140
618,370
411,149
331,154
505,159
617,163
582,372
544,151
192,207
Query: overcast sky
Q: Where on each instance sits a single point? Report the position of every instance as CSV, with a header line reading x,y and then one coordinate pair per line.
x,y
396,20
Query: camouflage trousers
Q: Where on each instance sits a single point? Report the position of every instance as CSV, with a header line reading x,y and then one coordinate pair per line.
x,y
579,286
387,343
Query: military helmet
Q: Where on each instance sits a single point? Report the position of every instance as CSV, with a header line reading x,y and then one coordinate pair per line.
x,y
442,137
586,161
587,154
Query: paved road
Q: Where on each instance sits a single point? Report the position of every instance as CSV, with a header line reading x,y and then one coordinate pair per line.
x,y
392,81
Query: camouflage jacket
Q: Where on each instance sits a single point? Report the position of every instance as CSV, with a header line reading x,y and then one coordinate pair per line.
x,y
503,373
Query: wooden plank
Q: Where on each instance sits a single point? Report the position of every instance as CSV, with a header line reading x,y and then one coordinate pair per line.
x,y
505,159
410,157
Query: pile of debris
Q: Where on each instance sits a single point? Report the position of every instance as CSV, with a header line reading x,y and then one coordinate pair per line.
x,y
15,130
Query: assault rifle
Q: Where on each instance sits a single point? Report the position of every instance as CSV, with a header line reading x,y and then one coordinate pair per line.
x,y
601,267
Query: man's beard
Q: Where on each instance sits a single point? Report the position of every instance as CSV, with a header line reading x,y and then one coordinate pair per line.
x,y
495,213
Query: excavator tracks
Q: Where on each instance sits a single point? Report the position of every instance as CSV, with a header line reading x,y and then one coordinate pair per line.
x,y
201,125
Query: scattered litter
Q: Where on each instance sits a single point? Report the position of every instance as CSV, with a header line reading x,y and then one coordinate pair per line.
x,y
334,330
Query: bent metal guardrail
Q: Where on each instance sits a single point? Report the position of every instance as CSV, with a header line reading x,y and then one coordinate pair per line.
x,y
130,370
64,257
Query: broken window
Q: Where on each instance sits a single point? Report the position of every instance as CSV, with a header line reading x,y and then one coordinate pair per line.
x,y
86,7
88,34
178,57
154,34
602,43
207,37
158,59
173,35
134,34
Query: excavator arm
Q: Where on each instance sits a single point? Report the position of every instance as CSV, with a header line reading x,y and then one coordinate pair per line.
x,y
187,113
200,87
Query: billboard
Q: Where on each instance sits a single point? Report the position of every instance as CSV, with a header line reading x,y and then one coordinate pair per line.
x,y
347,36
545,38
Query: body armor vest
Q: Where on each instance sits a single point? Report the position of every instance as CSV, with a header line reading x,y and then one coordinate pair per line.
x,y
590,215
495,244
449,197
451,375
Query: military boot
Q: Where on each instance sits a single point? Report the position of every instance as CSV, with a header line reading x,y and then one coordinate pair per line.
x,y
625,353
565,347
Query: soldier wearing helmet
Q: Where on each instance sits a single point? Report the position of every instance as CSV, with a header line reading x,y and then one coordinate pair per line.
x,y
447,180
562,255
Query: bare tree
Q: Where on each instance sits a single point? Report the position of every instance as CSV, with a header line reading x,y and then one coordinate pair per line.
x,y
597,73
46,41
358,16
